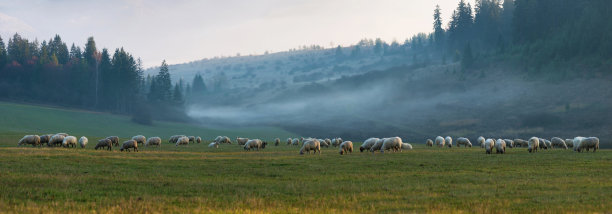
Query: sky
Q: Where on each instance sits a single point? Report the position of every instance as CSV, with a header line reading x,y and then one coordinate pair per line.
x,y
181,31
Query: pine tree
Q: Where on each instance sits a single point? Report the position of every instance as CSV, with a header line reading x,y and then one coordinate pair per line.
x,y
89,54
3,54
198,87
163,83
177,96
339,53
437,26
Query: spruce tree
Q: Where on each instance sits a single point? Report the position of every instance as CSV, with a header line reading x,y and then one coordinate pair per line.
x,y
437,26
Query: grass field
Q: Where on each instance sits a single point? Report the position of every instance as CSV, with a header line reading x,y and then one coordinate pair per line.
x,y
198,179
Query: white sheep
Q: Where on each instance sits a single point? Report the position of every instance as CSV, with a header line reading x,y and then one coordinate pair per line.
x,y
392,143
132,144
509,143
406,146
198,139
582,143
213,145
346,147
182,141
558,142
175,138
114,140
33,140
463,141
295,142
311,145
568,142
69,141
276,141
533,144
440,141
104,143
327,141
323,143
56,140
153,141
367,144
520,143
488,145
289,140
241,141
448,141
429,143
500,146
141,139
336,142
542,144
377,145
44,139
481,141
255,144
83,141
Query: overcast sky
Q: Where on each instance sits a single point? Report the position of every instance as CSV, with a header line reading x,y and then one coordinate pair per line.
x,y
186,30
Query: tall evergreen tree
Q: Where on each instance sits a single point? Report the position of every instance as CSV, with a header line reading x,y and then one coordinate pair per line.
x,y
177,96
460,26
90,51
3,54
163,84
198,87
437,26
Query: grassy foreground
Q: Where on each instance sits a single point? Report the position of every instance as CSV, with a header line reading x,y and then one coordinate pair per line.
x,y
195,179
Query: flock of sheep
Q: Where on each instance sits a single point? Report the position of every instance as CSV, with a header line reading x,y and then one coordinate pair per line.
x,y
579,144
383,145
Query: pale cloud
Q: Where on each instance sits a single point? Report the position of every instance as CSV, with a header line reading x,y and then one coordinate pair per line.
x,y
10,25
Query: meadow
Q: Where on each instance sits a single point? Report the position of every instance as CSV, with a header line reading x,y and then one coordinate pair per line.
x,y
199,179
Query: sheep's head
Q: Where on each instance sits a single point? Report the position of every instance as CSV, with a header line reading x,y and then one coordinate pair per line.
x,y
341,152
361,149
529,149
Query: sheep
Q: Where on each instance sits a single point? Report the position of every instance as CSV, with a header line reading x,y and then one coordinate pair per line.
x,y
56,140
44,139
520,143
533,144
440,141
276,141
34,140
174,138
69,141
311,145
63,134
463,141
346,147
568,142
241,141
481,141
289,140
406,146
295,142
377,145
140,139
127,145
104,143
153,141
581,143
213,145
367,144
548,144
500,146
336,142
182,141
542,143
429,143
114,140
488,145
83,141
198,139
323,143
392,143
448,141
255,144
509,143
558,142
327,141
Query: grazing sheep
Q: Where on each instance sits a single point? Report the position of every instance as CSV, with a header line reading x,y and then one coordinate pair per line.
x,y
500,146
198,139
429,143
463,141
323,143
327,141
336,142
63,134
132,144
182,141
154,141
392,143
548,143
255,144
440,141
520,143
311,145
175,138
481,141
276,142
509,143
558,142
140,139
377,145
33,140
533,144
56,140
289,140
488,145
406,146
241,141
367,144
542,143
346,147
568,142
223,139
44,139
69,141
104,143
83,141
114,140
295,142
582,143
448,141
213,144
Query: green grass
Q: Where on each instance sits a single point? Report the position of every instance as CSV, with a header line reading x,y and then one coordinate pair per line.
x,y
198,179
